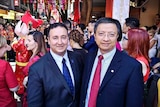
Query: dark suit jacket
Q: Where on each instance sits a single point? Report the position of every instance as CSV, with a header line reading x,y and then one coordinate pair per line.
x,y
91,45
47,86
121,88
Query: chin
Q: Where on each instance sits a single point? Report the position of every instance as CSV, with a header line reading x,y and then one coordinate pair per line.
x,y
61,52
105,48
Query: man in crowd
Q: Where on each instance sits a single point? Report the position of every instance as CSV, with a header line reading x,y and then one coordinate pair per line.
x,y
111,78
54,81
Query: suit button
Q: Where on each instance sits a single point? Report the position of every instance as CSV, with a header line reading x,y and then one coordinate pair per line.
x,y
83,101
100,94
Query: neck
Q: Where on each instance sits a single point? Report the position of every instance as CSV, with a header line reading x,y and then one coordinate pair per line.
x,y
34,52
77,46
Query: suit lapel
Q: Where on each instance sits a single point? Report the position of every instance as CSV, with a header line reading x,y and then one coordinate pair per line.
x,y
91,57
73,67
112,70
55,69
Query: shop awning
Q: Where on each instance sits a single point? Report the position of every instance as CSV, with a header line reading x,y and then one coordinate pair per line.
x,y
3,11
10,15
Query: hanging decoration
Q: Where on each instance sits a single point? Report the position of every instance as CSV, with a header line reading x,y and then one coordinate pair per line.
x,y
76,11
55,14
62,4
109,9
24,2
117,9
34,5
70,9
41,8
56,8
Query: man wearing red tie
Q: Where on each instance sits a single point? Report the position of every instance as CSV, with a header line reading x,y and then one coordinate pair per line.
x,y
111,77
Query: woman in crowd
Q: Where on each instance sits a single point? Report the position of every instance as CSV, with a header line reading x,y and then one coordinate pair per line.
x,y
8,81
76,41
34,42
136,44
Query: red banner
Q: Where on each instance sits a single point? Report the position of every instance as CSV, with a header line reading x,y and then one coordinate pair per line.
x,y
109,8
76,11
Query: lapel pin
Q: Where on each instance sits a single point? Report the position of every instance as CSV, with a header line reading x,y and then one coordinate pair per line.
x,y
72,61
112,71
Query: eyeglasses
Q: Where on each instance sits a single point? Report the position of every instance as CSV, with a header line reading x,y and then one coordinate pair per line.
x,y
125,38
109,34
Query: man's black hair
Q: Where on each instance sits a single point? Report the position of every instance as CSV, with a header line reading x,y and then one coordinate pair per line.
x,y
132,22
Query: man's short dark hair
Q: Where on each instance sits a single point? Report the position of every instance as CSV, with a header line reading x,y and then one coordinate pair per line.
x,y
68,24
92,21
109,20
132,22
82,26
55,25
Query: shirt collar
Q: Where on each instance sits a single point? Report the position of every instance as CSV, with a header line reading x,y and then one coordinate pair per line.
x,y
107,55
58,57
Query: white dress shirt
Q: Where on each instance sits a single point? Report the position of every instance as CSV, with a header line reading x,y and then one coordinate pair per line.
x,y
58,59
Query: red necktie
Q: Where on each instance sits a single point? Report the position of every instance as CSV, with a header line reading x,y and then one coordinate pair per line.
x,y
95,84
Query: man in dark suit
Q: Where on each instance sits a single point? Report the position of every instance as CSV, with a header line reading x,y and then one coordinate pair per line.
x,y
130,23
90,45
111,78
54,81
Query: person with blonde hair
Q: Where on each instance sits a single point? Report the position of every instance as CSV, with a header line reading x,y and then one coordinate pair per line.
x,y
8,82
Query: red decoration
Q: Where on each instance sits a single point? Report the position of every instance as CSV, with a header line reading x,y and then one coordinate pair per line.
x,y
27,17
109,8
36,23
76,11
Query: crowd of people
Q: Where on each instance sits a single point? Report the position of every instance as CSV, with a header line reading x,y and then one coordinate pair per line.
x,y
102,64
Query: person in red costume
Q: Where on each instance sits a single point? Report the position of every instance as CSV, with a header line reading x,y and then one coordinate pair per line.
x,y
22,54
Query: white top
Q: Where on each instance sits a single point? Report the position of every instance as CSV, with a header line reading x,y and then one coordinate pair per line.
x,y
58,59
153,50
105,64
157,37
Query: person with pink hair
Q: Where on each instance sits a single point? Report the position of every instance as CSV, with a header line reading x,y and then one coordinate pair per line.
x,y
136,44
